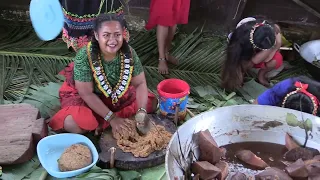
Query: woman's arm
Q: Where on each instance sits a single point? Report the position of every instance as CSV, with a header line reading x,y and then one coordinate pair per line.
x,y
267,55
85,90
276,94
139,82
276,47
261,56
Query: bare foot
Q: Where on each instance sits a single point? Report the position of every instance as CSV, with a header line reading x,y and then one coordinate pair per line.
x,y
172,59
163,67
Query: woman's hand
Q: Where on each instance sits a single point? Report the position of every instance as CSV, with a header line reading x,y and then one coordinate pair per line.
x,y
119,125
98,130
277,29
142,122
278,41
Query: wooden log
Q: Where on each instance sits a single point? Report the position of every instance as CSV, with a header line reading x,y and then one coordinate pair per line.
x,y
21,129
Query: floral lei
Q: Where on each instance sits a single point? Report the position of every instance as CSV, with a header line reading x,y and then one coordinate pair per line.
x,y
102,81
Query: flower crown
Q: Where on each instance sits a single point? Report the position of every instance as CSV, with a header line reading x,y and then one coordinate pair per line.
x,y
253,31
302,88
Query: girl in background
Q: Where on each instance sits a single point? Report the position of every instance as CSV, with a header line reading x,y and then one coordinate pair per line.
x,y
254,44
165,15
298,93
79,16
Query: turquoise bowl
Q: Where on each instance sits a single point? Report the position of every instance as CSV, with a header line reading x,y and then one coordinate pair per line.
x,y
50,148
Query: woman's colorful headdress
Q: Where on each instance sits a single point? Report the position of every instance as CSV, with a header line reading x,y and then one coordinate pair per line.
x,y
302,88
253,31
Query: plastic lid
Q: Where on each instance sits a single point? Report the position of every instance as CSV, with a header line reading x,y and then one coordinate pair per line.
x,y
245,20
46,18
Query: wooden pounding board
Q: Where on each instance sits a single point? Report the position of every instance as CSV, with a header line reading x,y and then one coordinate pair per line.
x,y
127,161
20,131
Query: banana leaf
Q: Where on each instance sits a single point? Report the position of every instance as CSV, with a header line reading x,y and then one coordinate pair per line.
x,y
155,173
37,174
20,171
251,90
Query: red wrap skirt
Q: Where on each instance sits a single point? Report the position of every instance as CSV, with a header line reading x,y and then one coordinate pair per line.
x,y
72,104
277,57
168,13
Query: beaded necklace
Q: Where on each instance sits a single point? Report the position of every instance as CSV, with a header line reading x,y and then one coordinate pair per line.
x,y
102,81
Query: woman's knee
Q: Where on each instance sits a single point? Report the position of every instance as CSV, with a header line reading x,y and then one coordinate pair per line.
x,y
71,126
271,64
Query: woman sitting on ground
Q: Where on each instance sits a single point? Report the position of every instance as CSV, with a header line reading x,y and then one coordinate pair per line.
x,y
104,85
255,43
299,93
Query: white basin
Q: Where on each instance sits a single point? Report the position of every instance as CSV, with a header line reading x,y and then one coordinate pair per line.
x,y
237,124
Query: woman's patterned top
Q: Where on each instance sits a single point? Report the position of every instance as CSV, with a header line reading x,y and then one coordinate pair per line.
x,y
83,71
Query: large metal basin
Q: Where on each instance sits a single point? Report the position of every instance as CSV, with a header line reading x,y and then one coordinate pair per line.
x,y
238,124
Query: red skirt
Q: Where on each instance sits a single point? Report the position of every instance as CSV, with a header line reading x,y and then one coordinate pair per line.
x,y
87,119
168,13
277,57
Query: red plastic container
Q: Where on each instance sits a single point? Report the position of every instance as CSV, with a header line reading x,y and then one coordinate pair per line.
x,y
173,93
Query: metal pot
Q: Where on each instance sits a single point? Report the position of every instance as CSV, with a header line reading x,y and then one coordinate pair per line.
x,y
236,124
310,51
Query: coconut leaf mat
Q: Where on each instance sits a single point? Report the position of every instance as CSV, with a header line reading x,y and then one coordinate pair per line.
x,y
29,68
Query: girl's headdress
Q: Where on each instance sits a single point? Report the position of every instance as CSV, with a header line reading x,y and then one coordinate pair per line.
x,y
302,88
253,31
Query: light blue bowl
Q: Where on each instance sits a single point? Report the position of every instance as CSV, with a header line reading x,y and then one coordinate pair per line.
x,y
50,149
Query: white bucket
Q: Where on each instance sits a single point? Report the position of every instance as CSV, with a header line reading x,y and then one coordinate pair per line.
x,y
235,124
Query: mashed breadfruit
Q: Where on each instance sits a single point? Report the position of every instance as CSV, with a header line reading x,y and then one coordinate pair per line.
x,y
142,146
75,157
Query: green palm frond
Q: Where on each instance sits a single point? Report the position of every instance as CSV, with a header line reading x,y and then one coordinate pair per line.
x,y
20,70
22,38
193,78
25,60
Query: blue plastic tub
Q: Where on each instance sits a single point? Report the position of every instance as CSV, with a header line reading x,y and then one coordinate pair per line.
x,y
49,150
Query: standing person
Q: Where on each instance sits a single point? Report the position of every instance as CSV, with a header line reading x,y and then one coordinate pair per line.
x,y
79,16
165,15
298,93
254,44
